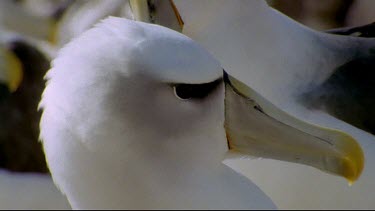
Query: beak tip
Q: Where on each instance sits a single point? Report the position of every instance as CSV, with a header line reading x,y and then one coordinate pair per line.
x,y
352,172
353,163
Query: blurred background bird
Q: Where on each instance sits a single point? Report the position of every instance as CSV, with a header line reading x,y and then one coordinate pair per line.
x,y
32,31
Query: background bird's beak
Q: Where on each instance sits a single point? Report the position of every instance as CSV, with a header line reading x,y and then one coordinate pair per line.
x,y
162,12
256,127
10,69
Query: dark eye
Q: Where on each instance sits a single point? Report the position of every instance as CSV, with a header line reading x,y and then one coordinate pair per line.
x,y
195,91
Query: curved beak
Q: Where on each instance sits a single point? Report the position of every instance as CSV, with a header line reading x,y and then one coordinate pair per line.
x,y
256,127
10,69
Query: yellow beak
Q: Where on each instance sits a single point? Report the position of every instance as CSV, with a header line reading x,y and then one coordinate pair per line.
x,y
256,127
10,69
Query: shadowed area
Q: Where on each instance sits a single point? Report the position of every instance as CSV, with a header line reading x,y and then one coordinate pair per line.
x,y
19,128
349,93
360,31
4,92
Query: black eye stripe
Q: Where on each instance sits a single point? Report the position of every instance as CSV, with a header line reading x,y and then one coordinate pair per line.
x,y
195,91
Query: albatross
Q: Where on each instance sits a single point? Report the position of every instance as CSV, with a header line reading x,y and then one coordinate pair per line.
x,y
22,66
137,115
302,71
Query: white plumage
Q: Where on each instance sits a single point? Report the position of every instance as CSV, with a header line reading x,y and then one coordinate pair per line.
x,y
282,59
115,136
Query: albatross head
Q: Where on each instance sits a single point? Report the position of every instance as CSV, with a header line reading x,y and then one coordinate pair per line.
x,y
139,116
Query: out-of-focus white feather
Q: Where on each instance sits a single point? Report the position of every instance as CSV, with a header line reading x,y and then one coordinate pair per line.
x,y
281,59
